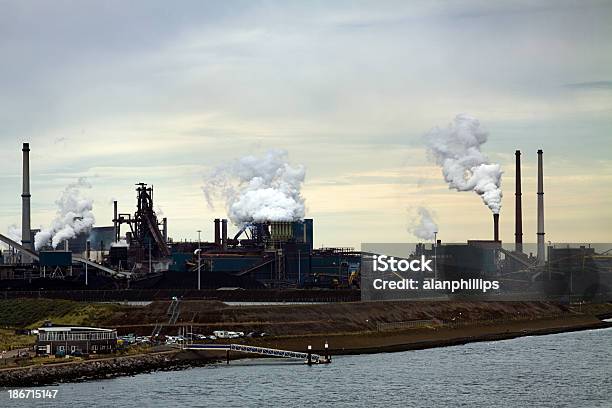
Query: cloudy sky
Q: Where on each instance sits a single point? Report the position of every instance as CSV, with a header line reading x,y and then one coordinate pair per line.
x,y
161,92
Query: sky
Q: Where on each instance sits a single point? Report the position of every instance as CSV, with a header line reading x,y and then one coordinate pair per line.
x,y
162,92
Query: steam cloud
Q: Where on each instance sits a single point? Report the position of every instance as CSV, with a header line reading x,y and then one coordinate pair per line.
x,y
422,224
14,233
74,216
457,149
258,189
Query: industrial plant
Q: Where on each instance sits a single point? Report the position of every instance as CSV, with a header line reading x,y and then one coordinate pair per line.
x,y
561,271
137,252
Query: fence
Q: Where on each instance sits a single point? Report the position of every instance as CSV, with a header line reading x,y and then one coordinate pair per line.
x,y
409,324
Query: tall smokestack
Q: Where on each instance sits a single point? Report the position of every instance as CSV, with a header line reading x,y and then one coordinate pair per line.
x,y
115,221
26,238
518,216
540,256
495,227
217,232
224,233
165,229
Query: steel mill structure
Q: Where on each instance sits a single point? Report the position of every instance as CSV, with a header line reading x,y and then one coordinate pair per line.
x,y
136,251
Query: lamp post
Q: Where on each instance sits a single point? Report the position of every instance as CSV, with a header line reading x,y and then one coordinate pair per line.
x,y
197,252
435,255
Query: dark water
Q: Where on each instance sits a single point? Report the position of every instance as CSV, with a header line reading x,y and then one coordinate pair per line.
x,y
563,370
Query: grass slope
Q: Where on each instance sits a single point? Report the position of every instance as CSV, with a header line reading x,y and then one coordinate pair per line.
x,y
31,313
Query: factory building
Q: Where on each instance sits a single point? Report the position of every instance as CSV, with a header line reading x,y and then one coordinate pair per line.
x,y
270,254
266,254
67,340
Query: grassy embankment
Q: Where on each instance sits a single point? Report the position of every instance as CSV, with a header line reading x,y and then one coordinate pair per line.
x,y
287,320
9,340
31,313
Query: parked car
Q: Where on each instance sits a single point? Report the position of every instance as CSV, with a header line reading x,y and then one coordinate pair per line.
x,y
221,334
256,334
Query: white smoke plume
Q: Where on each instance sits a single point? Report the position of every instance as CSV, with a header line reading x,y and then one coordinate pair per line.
x,y
422,224
74,216
465,168
258,189
14,233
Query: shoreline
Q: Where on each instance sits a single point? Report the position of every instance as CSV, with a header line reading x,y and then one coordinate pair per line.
x,y
467,340
97,369
363,343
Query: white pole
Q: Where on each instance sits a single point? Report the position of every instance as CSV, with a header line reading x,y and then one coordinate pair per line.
x,y
86,277
197,252
436,255
199,264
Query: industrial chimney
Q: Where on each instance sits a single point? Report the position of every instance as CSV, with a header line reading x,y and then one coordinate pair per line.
x,y
26,237
224,233
115,221
495,227
540,255
518,216
217,231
